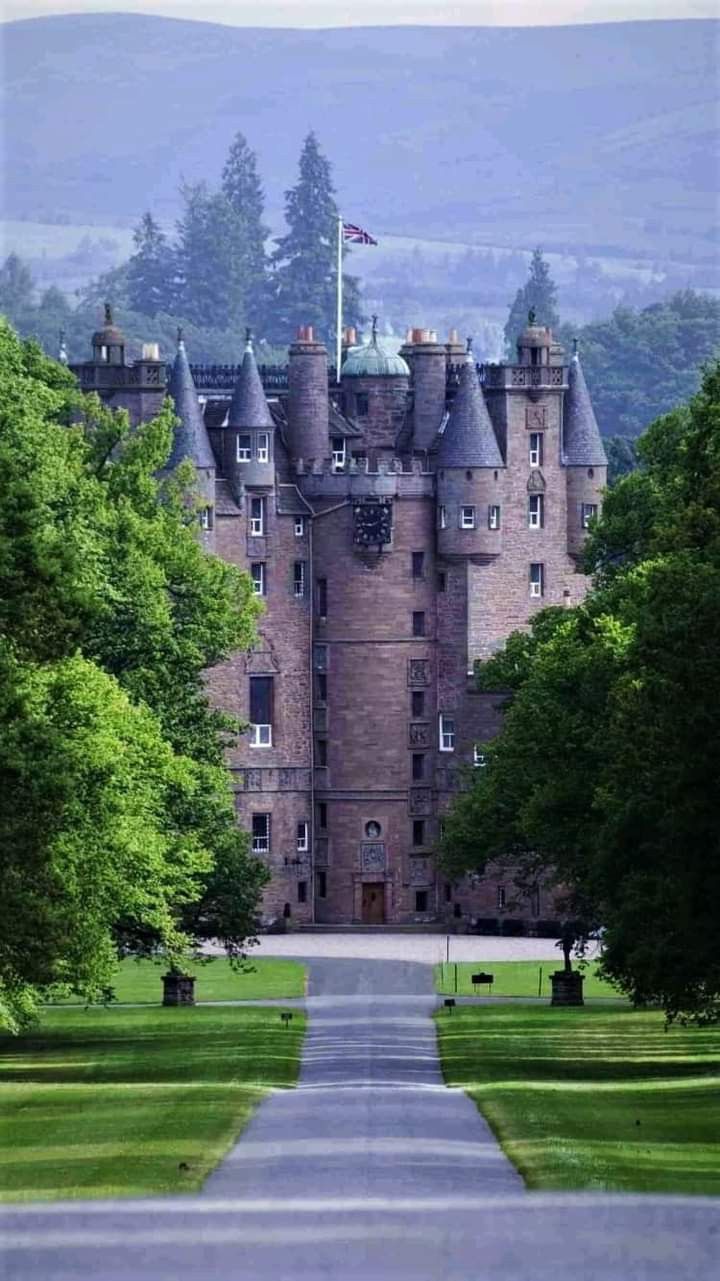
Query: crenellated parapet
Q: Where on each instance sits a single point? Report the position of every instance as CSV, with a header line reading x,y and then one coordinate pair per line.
x,y
317,479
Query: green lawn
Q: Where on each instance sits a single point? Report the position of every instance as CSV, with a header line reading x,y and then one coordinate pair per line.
x,y
514,978
264,978
592,1098
109,1102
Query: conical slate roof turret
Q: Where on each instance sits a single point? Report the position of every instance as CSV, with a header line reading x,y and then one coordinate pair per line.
x,y
582,439
191,439
248,407
469,439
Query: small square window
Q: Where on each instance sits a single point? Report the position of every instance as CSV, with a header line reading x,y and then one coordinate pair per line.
x,y
536,511
299,526
257,517
421,900
261,833
244,448
263,447
261,735
418,831
338,453
536,449
589,512
259,578
418,622
493,516
418,564
418,702
299,578
467,517
537,579
303,837
362,404
447,733
302,891
418,766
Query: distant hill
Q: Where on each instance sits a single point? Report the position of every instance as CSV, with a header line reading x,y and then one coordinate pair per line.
x,y
600,138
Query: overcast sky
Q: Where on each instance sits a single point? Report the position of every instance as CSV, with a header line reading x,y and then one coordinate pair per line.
x,y
336,13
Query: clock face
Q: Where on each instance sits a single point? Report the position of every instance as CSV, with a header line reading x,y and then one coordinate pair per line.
x,y
373,523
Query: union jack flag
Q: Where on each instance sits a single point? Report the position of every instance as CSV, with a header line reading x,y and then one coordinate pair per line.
x,y
356,235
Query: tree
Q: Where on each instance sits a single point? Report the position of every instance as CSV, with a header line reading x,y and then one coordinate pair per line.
x,y
16,289
151,270
211,259
306,258
623,695
243,191
538,295
621,456
110,613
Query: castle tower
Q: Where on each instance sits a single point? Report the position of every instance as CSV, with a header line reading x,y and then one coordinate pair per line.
x,y
191,440
308,401
249,437
584,456
428,361
375,390
471,475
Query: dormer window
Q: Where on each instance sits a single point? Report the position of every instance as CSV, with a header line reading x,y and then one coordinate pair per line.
x,y
263,447
244,449
338,453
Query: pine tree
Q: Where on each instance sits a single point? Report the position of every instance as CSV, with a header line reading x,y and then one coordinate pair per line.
x,y
16,289
211,259
151,270
243,191
306,258
538,295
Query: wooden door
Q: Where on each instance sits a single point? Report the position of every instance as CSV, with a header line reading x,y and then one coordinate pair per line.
x,y
373,903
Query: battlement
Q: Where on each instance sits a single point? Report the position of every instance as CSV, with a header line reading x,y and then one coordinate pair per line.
x,y
518,377
390,479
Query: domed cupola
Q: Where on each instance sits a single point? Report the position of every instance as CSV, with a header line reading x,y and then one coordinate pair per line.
x,y
471,474
375,385
370,360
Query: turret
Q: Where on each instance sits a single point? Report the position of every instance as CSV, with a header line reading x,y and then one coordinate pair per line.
x,y
429,377
584,457
250,430
191,440
108,343
308,406
535,344
471,474
375,392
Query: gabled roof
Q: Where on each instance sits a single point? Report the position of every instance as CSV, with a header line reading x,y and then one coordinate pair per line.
x,y
249,407
469,438
191,439
582,441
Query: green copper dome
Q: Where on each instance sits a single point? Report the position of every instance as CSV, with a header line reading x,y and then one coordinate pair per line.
x,y
372,361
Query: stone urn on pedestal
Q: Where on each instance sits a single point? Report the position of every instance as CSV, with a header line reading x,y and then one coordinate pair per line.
x,y
567,983
178,989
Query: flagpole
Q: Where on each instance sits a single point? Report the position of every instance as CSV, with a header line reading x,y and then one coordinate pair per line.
x,y
338,337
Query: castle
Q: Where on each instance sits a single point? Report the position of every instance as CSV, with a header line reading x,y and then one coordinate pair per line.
x,y
399,522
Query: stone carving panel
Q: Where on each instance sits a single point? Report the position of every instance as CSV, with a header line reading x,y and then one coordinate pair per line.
x,y
421,871
419,734
418,671
372,857
535,417
536,482
420,802
321,851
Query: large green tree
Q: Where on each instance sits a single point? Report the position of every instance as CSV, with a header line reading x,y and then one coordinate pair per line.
x,y
538,295
151,271
305,259
110,613
243,191
605,773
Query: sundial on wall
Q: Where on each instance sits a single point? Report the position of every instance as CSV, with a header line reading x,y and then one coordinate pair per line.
x,y
373,522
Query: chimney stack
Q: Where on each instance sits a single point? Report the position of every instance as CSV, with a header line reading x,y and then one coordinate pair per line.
x,y
308,403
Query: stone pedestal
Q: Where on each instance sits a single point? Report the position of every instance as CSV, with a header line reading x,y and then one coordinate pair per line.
x,y
178,989
567,987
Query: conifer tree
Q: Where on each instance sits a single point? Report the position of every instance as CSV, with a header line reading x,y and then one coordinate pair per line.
x,y
306,258
151,270
243,191
538,295
211,259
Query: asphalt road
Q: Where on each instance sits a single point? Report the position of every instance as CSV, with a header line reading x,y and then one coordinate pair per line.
x,y
370,1171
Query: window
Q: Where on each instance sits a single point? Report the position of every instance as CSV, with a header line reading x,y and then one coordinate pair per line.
x,y
448,892
442,581
321,687
206,517
322,597
263,447
244,449
373,830
447,733
467,517
257,571
261,833
457,911
322,815
421,900
442,516
418,702
299,578
362,404
536,511
261,710
418,831
501,898
418,564
418,622
321,752
322,884
257,516
299,526
536,449
338,453
303,837
479,758
493,516
537,579
302,891
589,512
418,765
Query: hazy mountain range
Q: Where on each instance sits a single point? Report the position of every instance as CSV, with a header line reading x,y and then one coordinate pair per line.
x,y
596,138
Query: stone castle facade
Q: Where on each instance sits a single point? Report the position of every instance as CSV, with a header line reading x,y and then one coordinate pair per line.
x,y
398,524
